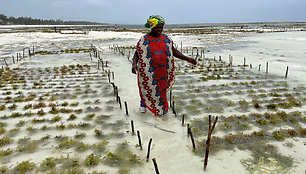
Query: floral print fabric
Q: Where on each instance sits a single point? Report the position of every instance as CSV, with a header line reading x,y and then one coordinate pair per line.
x,y
155,71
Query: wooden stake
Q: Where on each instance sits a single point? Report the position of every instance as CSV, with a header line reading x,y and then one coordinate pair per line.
x,y
132,125
139,140
108,78
5,62
183,119
244,60
181,47
192,140
204,53
114,89
267,65
220,59
119,102
13,59
170,98
113,75
98,64
155,165
149,148
230,60
210,130
287,71
197,53
117,94
126,108
188,127
90,56
259,67
209,123
173,108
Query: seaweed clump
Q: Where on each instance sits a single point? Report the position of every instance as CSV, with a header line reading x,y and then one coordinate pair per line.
x,y
92,160
256,144
25,167
122,157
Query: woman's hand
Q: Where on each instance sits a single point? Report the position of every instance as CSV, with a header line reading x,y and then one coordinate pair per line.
x,y
135,61
134,69
193,61
179,55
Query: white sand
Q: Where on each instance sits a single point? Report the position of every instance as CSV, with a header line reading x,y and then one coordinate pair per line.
x,y
173,151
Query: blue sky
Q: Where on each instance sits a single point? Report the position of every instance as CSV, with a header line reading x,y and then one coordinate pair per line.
x,y
174,11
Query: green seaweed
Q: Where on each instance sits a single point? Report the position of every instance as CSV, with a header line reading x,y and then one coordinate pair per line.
x,y
28,106
124,171
54,110
100,146
13,132
6,152
81,147
74,104
5,140
89,116
56,119
3,169
41,112
12,107
261,121
79,135
254,143
302,131
66,143
92,160
24,167
2,107
122,157
72,117
44,138
279,135
2,130
29,147
61,126
48,164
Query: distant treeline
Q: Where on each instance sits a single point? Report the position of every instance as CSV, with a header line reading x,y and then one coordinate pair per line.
x,y
4,20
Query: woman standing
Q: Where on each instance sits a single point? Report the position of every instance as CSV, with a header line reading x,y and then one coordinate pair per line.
x,y
153,61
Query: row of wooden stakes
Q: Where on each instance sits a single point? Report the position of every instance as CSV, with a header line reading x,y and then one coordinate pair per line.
x,y
20,56
118,99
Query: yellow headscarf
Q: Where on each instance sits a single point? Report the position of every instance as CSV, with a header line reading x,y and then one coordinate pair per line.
x,y
154,20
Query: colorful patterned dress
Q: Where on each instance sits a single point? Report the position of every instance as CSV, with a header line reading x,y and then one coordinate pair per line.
x,y
155,71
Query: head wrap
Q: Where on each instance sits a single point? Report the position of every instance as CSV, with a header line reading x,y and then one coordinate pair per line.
x,y
154,20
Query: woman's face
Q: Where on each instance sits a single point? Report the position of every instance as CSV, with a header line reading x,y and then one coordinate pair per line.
x,y
158,30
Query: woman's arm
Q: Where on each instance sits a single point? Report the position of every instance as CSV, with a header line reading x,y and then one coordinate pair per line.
x,y
135,61
178,54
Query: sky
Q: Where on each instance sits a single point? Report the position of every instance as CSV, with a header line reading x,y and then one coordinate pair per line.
x,y
174,11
